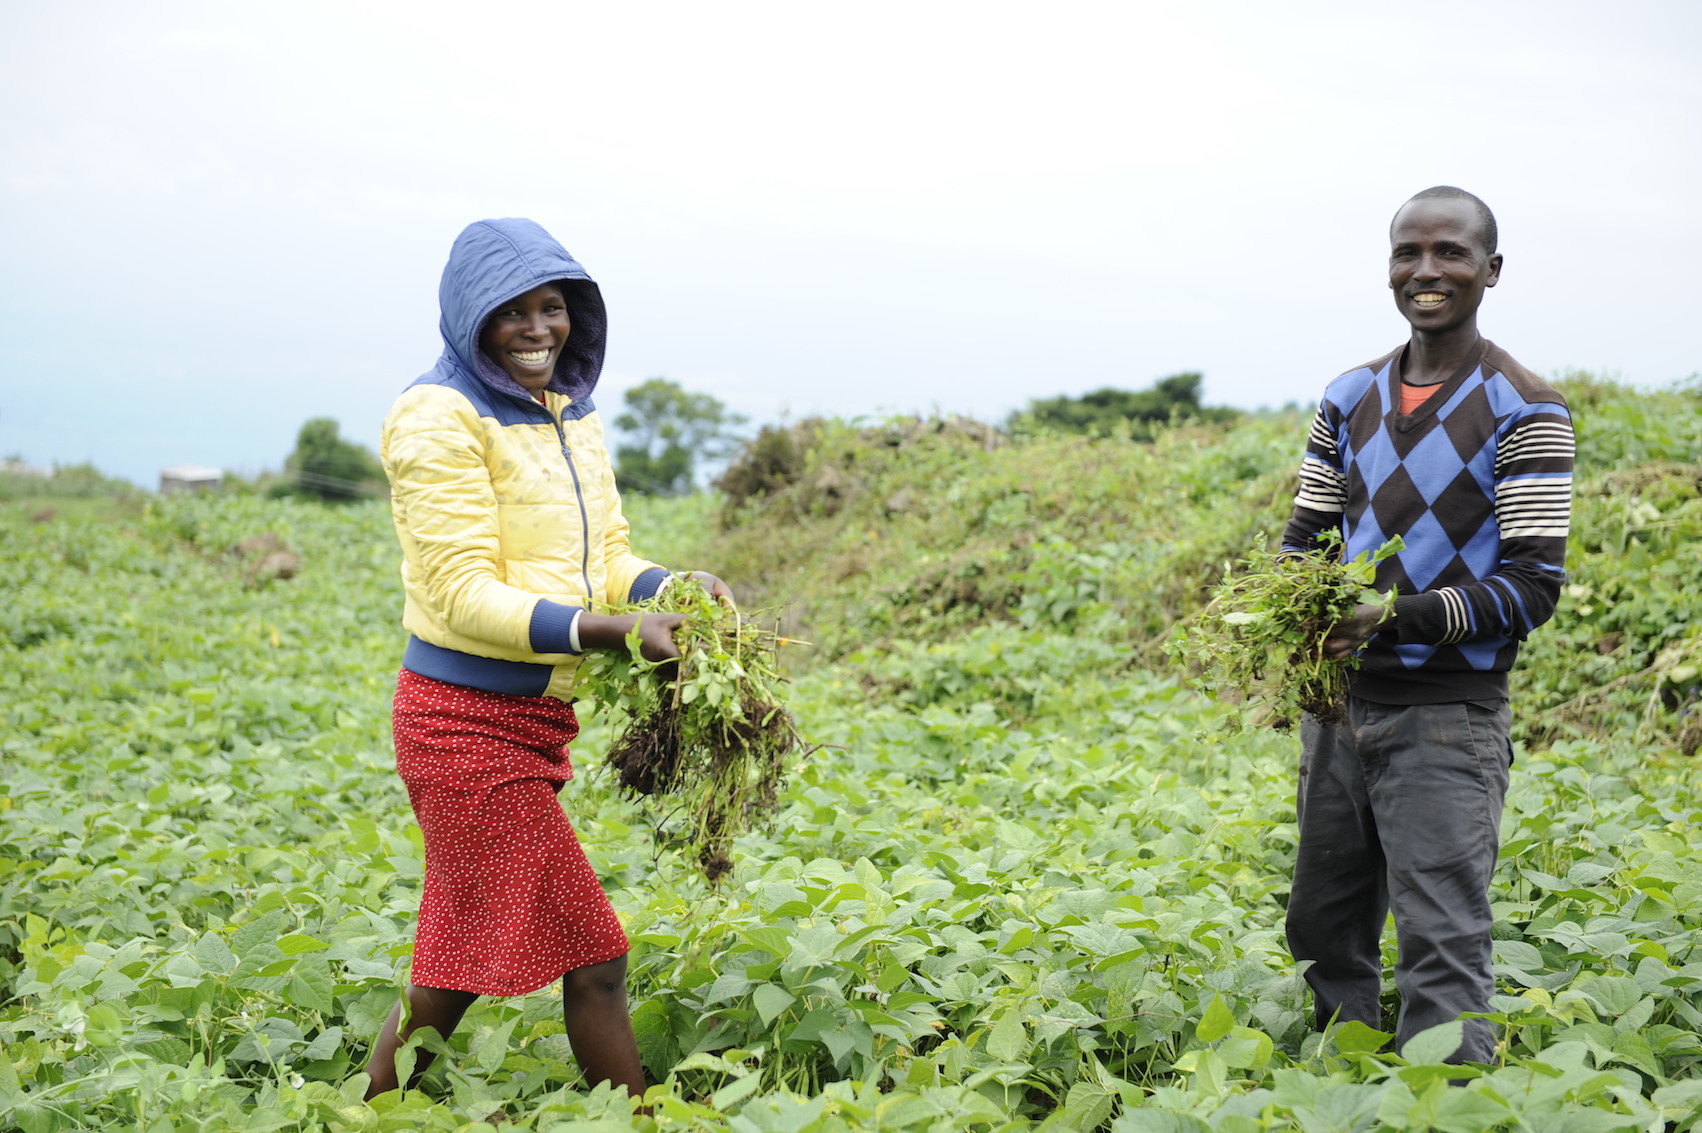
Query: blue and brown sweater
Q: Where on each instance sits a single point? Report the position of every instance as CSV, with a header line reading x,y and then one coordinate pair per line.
x,y
1478,483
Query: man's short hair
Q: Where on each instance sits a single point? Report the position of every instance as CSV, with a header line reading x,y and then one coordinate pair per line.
x,y
1485,219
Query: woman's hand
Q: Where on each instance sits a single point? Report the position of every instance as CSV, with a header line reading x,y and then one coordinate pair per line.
x,y
656,636
718,590
655,633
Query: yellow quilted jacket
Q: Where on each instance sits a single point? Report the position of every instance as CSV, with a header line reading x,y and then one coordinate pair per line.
x,y
506,508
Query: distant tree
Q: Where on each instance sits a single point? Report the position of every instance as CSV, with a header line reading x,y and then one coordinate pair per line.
x,y
1103,410
327,467
669,434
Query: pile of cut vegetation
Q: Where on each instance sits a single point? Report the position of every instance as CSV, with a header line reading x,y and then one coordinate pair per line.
x,y
706,737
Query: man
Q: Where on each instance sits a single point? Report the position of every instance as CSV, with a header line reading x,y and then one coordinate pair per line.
x,y
1465,454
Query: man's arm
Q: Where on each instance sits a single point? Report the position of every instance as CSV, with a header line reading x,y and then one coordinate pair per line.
x,y
1322,497
1533,507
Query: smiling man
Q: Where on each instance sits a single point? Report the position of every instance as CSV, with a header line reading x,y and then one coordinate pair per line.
x,y
1465,454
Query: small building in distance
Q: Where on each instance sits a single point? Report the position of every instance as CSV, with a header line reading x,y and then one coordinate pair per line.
x,y
190,478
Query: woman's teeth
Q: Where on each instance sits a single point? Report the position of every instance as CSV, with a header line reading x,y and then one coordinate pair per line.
x,y
530,357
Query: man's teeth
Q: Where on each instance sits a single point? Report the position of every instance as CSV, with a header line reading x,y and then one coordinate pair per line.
x,y
1429,299
530,357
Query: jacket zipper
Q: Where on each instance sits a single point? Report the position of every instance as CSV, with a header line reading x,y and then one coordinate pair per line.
x,y
579,494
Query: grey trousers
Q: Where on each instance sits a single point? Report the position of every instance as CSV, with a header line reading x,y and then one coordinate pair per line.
x,y
1400,807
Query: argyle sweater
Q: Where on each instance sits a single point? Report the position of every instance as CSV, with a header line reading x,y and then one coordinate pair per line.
x,y
1478,483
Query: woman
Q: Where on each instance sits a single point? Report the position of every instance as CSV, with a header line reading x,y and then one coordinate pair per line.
x,y
512,537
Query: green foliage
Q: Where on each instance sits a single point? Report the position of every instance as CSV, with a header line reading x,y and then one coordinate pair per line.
x,y
1111,411
1028,882
1622,654
919,526
326,467
1261,638
771,461
66,491
61,482
670,435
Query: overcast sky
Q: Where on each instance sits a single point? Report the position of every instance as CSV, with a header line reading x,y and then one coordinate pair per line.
x,y
220,220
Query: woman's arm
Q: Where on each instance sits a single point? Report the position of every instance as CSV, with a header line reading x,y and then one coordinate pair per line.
x,y
446,516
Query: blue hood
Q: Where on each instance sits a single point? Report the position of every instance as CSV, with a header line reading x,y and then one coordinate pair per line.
x,y
492,262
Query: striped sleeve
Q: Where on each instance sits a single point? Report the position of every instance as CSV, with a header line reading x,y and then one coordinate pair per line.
x,y
1322,496
1533,509
1533,481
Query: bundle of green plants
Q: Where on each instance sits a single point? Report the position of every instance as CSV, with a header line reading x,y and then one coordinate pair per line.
x,y
1259,643
705,738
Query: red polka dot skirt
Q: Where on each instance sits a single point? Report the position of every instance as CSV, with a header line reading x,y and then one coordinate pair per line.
x,y
510,903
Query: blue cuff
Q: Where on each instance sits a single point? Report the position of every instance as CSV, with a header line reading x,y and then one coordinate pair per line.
x,y
647,585
555,627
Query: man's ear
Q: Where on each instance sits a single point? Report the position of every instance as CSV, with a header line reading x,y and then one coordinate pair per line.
x,y
1494,270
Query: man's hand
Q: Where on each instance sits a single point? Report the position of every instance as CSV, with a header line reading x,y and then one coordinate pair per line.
x,y
1347,635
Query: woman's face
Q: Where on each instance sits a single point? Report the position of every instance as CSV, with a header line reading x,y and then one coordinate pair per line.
x,y
524,336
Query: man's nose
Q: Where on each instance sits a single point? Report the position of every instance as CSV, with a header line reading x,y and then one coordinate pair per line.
x,y
1428,267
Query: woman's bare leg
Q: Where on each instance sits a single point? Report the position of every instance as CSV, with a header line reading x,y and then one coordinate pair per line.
x,y
437,1008
593,1003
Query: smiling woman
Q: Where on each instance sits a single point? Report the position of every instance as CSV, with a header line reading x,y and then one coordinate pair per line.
x,y
512,539
525,335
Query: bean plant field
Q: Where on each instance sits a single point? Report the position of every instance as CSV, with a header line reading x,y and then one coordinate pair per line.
x,y
1026,877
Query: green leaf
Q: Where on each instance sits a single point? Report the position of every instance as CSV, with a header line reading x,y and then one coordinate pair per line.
x,y
296,943
1612,995
1216,1021
1434,1046
1469,1111
9,1084
213,954
1089,1102
1008,1041
494,1048
103,1025
325,1044
770,1000
1246,1049
262,930
311,987
1354,1037
735,1091
1633,1049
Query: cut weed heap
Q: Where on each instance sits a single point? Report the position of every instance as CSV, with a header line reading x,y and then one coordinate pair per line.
x,y
708,735
1260,641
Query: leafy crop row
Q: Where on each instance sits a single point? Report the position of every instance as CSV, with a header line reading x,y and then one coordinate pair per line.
x,y
1028,881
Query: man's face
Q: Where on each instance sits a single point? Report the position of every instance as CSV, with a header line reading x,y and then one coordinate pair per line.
x,y
524,336
1438,266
